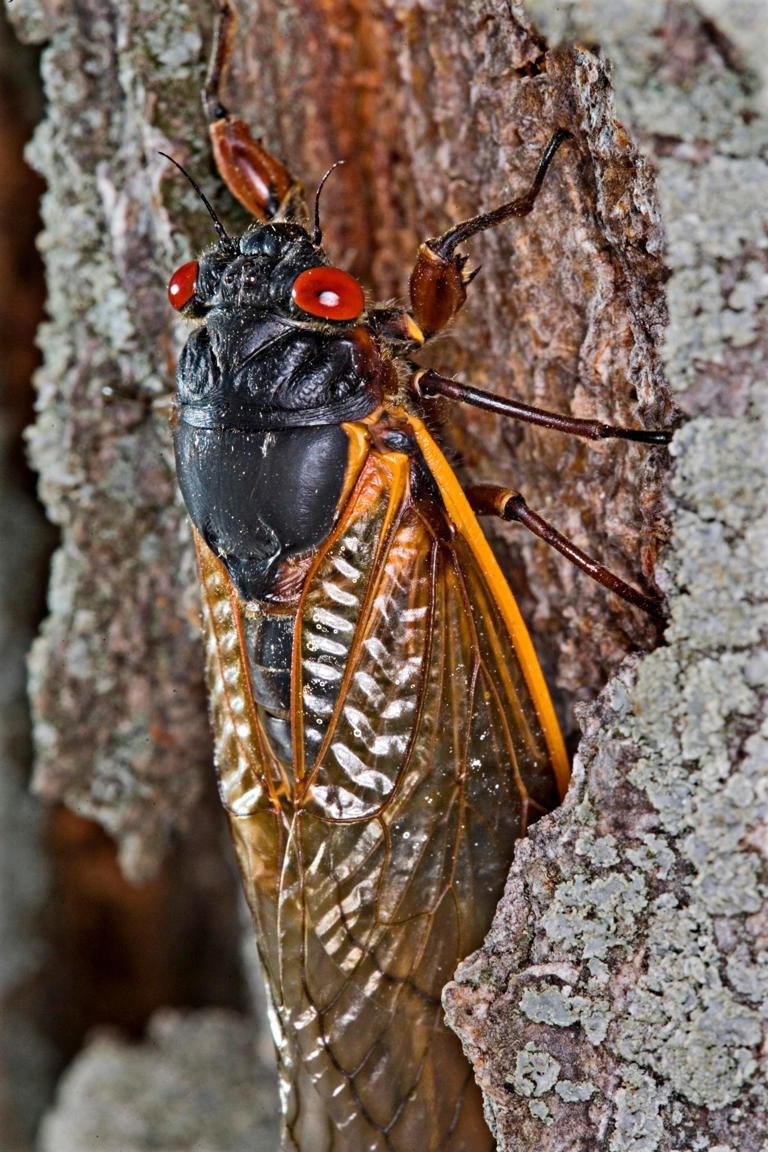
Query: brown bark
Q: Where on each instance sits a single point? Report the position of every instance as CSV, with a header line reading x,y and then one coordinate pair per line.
x,y
440,112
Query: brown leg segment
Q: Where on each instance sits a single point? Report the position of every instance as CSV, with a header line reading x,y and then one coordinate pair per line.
x,y
260,182
491,500
426,382
438,283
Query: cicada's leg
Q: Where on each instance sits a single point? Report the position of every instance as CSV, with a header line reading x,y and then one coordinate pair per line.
x,y
259,181
438,285
425,382
492,500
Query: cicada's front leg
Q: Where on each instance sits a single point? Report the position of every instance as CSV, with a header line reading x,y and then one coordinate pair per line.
x,y
438,284
256,178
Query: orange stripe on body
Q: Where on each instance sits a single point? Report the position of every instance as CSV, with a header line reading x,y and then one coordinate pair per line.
x,y
465,520
357,453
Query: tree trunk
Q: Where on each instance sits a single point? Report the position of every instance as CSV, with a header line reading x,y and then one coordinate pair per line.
x,y
616,1002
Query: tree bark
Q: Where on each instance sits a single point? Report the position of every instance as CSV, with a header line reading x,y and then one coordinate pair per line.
x,y
616,1003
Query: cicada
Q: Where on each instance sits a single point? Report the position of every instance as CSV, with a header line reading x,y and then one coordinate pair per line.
x,y
383,731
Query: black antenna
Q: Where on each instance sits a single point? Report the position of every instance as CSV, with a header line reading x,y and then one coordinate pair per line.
x,y
216,222
317,235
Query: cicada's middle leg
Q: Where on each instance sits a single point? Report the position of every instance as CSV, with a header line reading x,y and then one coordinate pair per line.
x,y
256,178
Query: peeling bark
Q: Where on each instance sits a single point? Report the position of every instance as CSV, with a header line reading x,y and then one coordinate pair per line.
x,y
441,111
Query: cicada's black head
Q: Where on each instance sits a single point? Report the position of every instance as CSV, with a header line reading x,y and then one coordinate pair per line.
x,y
283,340
275,267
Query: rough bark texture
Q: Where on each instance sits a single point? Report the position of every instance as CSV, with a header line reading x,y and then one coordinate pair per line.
x,y
619,1000
618,994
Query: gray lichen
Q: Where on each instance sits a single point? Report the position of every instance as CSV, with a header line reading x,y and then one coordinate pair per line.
x,y
114,676
536,1072
656,869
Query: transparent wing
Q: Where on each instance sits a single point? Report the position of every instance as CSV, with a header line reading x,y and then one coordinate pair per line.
x,y
420,758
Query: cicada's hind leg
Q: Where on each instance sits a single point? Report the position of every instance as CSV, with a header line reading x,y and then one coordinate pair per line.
x,y
256,178
492,500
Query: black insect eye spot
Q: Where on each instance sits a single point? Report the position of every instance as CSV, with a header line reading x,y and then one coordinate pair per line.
x,y
228,278
251,279
394,441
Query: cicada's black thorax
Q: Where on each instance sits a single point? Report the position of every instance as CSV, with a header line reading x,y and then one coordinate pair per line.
x,y
262,391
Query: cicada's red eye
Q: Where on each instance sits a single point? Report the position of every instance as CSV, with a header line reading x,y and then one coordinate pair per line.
x,y
182,285
328,292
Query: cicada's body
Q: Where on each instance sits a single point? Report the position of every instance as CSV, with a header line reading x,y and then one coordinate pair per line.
x,y
383,731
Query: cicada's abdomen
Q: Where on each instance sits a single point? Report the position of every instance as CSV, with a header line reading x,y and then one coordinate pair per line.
x,y
268,637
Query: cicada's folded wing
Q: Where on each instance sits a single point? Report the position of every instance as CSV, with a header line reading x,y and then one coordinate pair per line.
x,y
252,784
420,756
423,744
